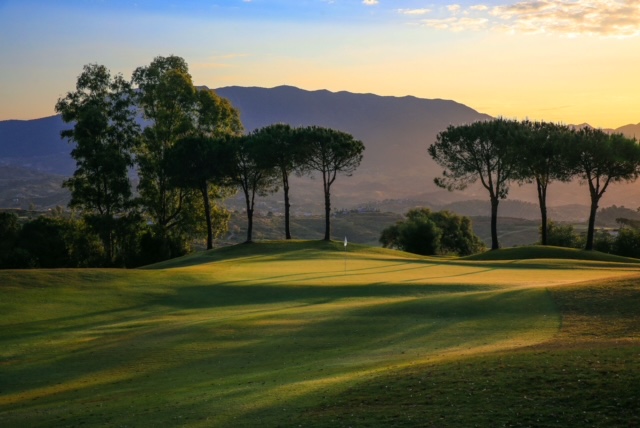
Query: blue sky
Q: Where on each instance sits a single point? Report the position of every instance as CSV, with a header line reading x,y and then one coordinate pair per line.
x,y
558,60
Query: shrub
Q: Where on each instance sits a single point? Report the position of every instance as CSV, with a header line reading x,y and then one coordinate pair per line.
x,y
428,233
627,243
9,233
45,240
604,242
561,235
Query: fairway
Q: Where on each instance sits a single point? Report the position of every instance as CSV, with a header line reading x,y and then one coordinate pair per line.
x,y
261,334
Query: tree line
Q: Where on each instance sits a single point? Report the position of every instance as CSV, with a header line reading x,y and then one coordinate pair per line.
x,y
500,152
186,148
624,242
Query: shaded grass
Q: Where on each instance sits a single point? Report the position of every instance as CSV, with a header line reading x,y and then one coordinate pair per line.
x,y
546,388
587,375
262,334
548,252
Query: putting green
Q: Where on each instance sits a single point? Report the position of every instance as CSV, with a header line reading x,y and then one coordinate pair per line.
x,y
255,334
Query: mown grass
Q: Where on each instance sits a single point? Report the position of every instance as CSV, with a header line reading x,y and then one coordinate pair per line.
x,y
281,334
587,375
549,252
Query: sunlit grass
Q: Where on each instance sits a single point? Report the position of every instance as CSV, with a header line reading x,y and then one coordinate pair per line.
x,y
586,375
258,334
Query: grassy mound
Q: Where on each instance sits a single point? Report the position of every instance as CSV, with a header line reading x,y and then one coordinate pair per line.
x,y
290,249
306,333
548,252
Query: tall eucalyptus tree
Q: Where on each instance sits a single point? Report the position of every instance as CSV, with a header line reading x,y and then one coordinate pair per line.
x,y
167,98
105,133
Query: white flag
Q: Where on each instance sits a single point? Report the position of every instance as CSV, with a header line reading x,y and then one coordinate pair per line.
x,y
345,241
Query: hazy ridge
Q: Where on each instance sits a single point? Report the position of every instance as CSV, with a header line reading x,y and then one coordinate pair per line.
x,y
395,130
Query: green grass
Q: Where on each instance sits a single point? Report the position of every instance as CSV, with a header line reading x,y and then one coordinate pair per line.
x,y
302,333
587,375
549,252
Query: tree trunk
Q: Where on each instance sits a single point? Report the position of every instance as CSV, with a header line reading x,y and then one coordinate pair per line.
x,y
494,223
542,199
105,232
592,223
249,217
107,221
249,226
327,214
107,239
287,206
207,215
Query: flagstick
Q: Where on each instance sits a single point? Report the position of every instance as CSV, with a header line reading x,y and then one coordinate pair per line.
x,y
345,255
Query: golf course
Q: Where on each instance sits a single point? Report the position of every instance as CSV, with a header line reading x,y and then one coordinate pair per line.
x,y
316,334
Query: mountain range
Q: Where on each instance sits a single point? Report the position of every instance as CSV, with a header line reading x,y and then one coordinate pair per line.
x,y
396,132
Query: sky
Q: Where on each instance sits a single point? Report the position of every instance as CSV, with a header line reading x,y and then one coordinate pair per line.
x,y
555,60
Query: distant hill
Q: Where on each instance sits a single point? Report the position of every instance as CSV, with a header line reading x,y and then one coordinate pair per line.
x,y
631,131
396,132
21,187
36,144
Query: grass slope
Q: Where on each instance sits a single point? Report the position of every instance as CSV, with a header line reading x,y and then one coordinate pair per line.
x,y
587,375
304,333
549,252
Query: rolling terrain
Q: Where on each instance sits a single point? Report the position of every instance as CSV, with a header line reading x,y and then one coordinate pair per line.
x,y
304,333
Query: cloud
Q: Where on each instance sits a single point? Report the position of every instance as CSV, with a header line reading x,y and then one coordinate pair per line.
x,y
414,11
370,2
591,17
620,18
457,24
524,9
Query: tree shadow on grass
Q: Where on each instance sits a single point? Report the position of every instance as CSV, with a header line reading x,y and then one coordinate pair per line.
x,y
241,367
272,250
230,295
